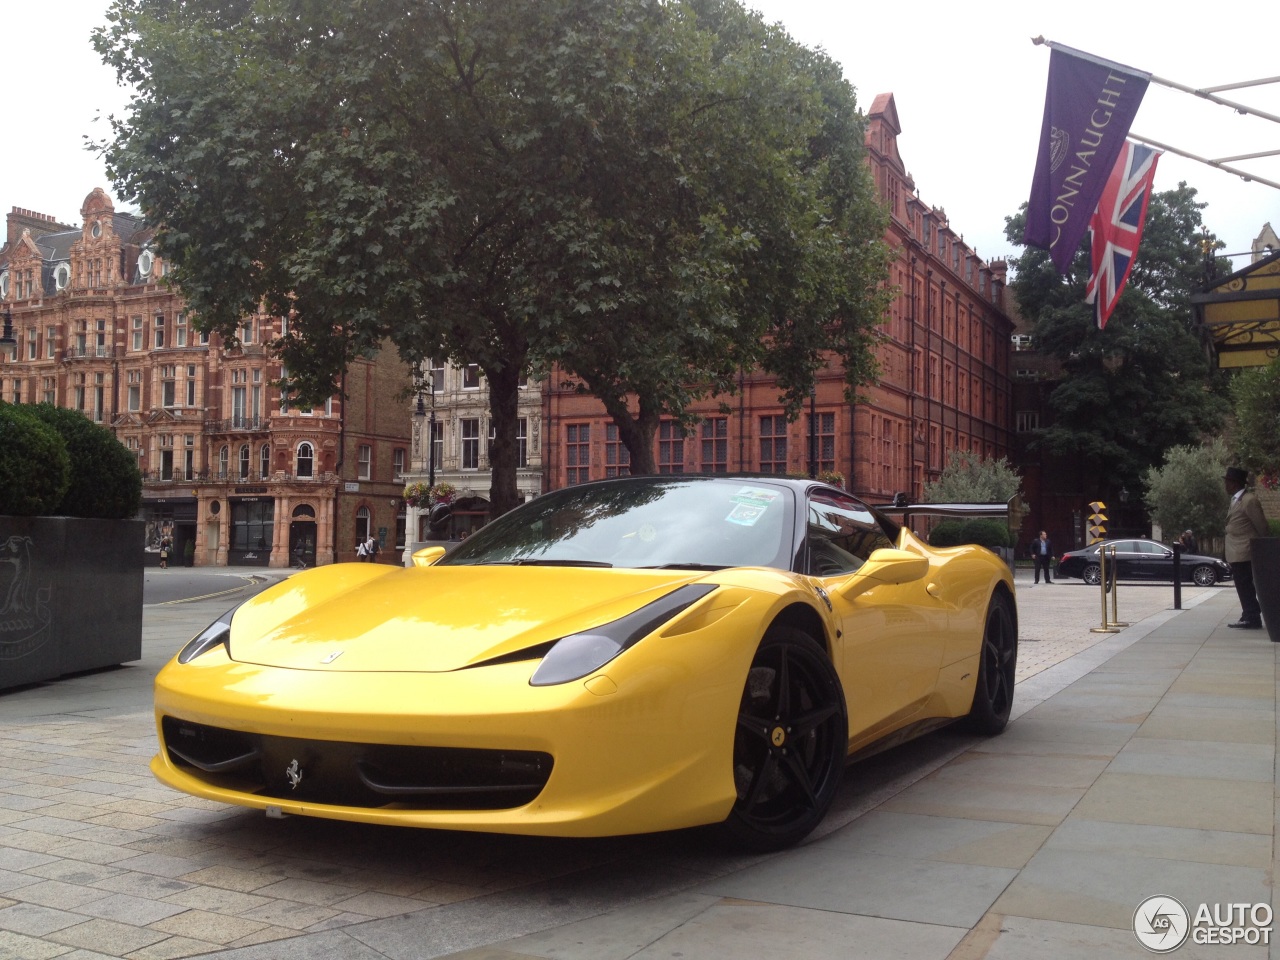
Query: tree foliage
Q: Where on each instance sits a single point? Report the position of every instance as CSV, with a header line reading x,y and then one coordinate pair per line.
x,y
1143,384
1255,394
650,194
1186,493
34,467
968,478
103,479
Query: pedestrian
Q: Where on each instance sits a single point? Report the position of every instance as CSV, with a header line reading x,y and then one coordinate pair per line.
x,y
1245,521
1042,555
371,549
1189,543
362,551
165,545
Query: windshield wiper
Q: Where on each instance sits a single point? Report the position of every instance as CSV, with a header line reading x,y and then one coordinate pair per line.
x,y
686,566
534,562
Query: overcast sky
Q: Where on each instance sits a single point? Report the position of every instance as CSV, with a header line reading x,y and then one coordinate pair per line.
x,y
968,83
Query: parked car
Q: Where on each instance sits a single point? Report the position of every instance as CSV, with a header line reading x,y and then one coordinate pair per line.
x,y
1142,560
631,655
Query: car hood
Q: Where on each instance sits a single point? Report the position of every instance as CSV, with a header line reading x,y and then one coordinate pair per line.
x,y
433,619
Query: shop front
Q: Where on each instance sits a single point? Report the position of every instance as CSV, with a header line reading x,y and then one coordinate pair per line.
x,y
252,526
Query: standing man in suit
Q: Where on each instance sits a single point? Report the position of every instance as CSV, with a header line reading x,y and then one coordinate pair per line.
x,y
1042,554
1245,521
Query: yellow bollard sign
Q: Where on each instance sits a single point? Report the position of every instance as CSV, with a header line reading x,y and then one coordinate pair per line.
x,y
1097,522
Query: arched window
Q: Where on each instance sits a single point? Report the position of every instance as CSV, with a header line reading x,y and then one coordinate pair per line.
x,y
264,460
224,460
244,461
306,460
362,524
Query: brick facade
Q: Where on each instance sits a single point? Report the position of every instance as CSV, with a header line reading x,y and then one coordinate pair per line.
x,y
945,380
226,466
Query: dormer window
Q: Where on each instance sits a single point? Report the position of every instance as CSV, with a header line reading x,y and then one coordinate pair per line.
x,y
146,260
95,231
4,284
62,276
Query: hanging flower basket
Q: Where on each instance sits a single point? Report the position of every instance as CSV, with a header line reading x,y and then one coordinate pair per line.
x,y
421,496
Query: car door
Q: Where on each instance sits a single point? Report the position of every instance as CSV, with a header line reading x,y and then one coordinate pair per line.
x,y
1156,561
892,637
1128,559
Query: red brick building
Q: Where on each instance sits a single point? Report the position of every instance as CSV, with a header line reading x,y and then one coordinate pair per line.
x,y
229,465
945,379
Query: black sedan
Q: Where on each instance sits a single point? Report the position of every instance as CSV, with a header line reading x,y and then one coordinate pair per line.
x,y
1142,560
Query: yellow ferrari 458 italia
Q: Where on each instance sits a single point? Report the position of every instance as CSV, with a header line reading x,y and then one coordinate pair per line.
x,y
627,656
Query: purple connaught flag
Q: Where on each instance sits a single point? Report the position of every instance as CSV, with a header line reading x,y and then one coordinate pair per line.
x,y
1117,226
1088,109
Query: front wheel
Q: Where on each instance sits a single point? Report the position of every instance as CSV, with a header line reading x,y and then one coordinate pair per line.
x,y
993,693
1092,574
791,743
1204,576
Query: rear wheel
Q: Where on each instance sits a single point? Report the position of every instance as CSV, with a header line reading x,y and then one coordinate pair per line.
x,y
1092,574
993,694
791,743
1204,576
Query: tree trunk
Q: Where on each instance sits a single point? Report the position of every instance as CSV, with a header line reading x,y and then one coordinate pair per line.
x,y
636,432
504,407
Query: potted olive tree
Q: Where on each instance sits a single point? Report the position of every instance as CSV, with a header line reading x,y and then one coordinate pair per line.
x,y
1256,395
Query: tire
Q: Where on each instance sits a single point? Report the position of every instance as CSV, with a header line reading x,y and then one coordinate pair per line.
x,y
1204,576
997,663
791,744
1092,574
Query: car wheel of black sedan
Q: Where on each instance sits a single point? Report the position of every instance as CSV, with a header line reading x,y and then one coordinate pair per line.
x,y
1204,576
1092,574
993,694
791,744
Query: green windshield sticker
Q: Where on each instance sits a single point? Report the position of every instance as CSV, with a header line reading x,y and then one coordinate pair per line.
x,y
750,504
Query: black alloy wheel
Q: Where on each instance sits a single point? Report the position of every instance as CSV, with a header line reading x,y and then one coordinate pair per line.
x,y
1204,576
1092,574
993,693
791,744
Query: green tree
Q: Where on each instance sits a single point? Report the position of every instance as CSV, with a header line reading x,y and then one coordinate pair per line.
x,y
103,480
1255,394
650,194
1186,491
34,466
1143,384
968,478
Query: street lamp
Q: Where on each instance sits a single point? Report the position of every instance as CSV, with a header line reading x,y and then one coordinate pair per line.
x,y
429,381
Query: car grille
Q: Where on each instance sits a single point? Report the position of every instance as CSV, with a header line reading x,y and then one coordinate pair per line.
x,y
356,774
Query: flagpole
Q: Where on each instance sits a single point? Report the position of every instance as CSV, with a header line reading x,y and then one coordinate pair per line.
x,y
1205,93
1205,160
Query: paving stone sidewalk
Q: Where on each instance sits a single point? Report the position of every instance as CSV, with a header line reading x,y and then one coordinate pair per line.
x,y
1147,753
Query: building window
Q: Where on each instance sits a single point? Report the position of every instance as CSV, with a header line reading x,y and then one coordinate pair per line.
x,y
362,525
397,461
470,443
1028,420
244,461
824,430
306,460
33,345
436,372
264,461
617,458
471,376
224,460
365,458
180,330
167,385
773,444
577,452
191,385
670,447
137,333
522,442
50,387
159,330
135,390
715,445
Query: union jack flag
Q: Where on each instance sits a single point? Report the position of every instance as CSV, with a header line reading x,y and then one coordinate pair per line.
x,y
1116,226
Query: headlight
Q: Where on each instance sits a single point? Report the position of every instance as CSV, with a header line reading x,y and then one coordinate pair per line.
x,y
215,634
579,654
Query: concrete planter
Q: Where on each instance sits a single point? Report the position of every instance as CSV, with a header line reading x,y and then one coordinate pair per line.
x,y
70,596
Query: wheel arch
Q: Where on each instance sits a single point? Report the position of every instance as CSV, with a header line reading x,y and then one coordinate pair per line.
x,y
801,616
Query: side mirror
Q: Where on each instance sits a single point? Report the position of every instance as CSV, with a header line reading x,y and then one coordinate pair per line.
x,y
886,566
427,556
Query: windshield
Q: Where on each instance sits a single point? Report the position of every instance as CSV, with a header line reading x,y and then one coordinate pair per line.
x,y
644,522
